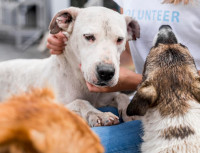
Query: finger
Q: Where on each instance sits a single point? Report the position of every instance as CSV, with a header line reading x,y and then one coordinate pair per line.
x,y
55,41
53,47
93,88
60,36
89,87
56,52
65,40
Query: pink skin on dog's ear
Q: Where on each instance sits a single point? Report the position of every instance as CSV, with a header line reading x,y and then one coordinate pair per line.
x,y
133,28
62,20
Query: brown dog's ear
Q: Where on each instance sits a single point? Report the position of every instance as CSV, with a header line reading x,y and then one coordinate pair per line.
x,y
196,89
63,20
138,106
145,96
133,28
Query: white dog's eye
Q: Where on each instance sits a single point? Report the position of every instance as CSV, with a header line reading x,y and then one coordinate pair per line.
x,y
119,40
89,37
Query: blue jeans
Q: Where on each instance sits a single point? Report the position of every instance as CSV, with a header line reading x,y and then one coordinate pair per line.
x,y
121,138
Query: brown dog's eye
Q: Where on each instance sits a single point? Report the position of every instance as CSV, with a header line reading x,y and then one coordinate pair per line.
x,y
89,37
119,40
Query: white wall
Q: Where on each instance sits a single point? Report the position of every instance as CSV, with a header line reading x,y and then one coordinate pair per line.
x,y
94,3
57,5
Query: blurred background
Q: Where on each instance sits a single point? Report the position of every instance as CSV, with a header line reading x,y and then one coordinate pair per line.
x,y
24,26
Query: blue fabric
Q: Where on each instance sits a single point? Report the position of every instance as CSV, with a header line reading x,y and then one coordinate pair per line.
x,y
122,138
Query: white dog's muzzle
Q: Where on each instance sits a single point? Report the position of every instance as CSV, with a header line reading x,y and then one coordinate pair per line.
x,y
104,73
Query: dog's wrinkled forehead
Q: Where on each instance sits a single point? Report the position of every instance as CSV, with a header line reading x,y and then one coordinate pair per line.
x,y
99,18
95,19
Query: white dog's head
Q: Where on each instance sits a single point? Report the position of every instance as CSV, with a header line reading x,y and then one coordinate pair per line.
x,y
97,37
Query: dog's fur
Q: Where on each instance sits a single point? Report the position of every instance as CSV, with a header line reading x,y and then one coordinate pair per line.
x,y
96,37
34,123
168,99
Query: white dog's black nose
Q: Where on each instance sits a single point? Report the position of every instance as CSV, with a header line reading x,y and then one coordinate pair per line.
x,y
165,36
105,72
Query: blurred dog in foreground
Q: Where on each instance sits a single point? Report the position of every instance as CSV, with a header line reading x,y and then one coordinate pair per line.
x,y
169,98
34,123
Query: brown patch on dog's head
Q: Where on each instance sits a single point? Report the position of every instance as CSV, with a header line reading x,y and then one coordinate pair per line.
x,y
171,71
175,73
34,123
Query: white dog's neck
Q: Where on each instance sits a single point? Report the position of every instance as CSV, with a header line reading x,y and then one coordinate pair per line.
x,y
68,63
71,57
157,130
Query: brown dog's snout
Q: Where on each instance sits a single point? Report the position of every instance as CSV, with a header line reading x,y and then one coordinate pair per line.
x,y
105,72
165,27
166,36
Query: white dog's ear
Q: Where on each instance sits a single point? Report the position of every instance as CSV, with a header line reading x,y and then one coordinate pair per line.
x,y
64,20
145,97
133,28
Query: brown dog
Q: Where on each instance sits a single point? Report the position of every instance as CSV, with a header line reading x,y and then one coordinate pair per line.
x,y
168,99
33,123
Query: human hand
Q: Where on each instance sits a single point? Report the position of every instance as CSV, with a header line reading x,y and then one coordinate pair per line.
x,y
93,88
56,43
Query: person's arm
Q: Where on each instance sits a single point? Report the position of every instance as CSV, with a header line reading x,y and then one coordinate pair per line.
x,y
199,72
128,80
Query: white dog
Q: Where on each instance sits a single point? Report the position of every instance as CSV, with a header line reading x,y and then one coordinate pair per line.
x,y
96,38
168,99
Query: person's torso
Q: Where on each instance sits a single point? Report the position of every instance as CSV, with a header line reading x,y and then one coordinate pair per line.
x,y
151,14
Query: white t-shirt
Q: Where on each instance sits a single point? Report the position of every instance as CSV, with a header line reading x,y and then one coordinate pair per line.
x,y
151,14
